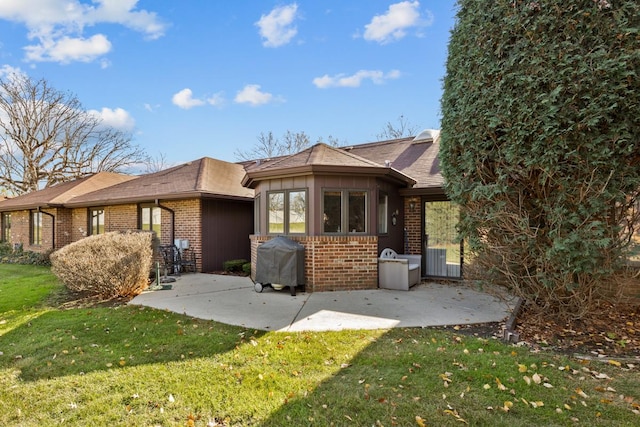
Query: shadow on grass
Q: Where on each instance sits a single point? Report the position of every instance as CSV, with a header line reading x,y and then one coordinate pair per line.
x,y
59,343
430,377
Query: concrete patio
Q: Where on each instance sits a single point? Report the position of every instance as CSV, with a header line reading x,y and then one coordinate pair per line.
x,y
233,300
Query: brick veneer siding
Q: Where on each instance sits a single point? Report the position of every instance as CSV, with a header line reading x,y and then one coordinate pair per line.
x,y
186,214
21,230
187,226
333,263
64,223
412,222
116,218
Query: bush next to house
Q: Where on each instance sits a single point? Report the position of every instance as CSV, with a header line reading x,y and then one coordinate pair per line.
x,y
11,255
234,265
540,143
106,265
246,268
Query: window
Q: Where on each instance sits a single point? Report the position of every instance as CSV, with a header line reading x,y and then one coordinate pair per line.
x,y
36,228
287,212
297,212
345,210
332,214
151,219
276,213
96,226
383,211
257,219
6,228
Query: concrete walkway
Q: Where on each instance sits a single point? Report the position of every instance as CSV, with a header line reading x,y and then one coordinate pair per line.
x,y
233,300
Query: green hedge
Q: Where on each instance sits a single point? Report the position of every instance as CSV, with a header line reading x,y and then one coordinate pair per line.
x,y
9,255
234,265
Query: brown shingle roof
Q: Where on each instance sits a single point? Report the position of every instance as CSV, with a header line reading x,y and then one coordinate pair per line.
x,y
205,177
418,159
60,194
319,158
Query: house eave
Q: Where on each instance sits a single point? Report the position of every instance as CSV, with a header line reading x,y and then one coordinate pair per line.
x,y
251,179
424,191
153,197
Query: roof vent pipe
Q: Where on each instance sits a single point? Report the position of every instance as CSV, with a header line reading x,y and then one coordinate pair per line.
x,y
387,163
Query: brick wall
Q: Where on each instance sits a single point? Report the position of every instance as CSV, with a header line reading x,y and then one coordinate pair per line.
x,y
64,223
120,217
413,224
72,225
188,225
21,229
334,263
79,224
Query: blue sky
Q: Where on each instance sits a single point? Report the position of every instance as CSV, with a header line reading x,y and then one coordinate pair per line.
x,y
194,78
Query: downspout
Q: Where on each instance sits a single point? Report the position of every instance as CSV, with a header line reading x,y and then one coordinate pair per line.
x,y
53,227
173,220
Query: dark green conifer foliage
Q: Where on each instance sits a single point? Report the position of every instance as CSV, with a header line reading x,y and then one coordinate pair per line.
x,y
540,142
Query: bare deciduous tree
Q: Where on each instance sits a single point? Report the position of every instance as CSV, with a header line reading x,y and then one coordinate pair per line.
x,y
157,163
46,137
269,146
401,130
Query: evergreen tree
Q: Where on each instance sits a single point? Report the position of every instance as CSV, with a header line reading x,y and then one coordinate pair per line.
x,y
540,142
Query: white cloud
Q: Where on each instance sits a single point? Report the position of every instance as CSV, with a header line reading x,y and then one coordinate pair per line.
x,y
251,94
217,100
355,80
277,27
185,100
394,24
58,26
117,118
67,49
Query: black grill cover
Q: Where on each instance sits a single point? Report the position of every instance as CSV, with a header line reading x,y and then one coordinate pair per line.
x,y
280,261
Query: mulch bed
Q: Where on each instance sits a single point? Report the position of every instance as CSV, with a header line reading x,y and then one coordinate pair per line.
x,y
612,331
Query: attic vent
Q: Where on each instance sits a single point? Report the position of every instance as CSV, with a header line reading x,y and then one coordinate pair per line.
x,y
427,135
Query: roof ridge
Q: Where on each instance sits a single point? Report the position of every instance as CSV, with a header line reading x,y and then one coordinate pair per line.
x,y
199,175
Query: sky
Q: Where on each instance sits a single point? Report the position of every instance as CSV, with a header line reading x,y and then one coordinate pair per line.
x,y
196,78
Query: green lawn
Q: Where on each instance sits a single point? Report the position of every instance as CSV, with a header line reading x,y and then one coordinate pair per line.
x,y
135,366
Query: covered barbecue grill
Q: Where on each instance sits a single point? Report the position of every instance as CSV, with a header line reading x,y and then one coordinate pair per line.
x,y
280,263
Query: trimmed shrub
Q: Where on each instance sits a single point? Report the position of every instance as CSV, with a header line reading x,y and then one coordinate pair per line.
x,y
234,265
246,268
107,265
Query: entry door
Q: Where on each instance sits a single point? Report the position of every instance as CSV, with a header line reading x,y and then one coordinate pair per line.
x,y
442,254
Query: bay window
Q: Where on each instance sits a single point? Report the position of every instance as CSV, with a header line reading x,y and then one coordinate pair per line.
x,y
344,211
287,212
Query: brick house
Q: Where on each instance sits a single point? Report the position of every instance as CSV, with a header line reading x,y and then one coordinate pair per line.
x,y
343,204
201,203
